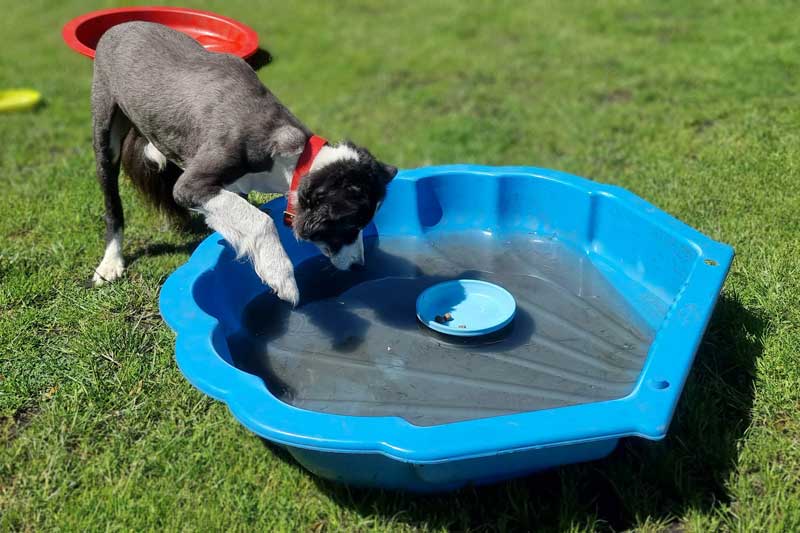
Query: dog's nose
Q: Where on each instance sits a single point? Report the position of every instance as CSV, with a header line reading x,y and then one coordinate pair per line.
x,y
355,267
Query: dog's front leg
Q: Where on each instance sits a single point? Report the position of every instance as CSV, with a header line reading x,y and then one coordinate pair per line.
x,y
251,232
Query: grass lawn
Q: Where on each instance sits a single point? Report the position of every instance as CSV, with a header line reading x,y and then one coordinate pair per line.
x,y
692,105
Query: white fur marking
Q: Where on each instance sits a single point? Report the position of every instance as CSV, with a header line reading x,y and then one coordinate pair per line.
x,y
350,254
112,266
151,153
331,154
253,234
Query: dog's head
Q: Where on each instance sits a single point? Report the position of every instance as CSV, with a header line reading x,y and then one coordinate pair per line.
x,y
337,200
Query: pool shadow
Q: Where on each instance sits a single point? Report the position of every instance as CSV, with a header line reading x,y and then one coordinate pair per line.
x,y
640,481
254,359
161,248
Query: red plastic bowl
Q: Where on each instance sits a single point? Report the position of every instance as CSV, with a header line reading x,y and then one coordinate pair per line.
x,y
215,32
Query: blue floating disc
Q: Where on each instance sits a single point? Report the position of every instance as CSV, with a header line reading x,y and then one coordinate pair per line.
x,y
475,307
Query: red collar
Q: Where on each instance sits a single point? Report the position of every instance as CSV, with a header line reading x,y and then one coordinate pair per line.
x,y
312,148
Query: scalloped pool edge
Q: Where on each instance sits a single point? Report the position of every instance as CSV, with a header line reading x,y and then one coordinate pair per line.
x,y
646,412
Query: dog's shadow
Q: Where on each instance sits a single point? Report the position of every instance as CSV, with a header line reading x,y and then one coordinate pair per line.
x,y
640,481
391,305
191,230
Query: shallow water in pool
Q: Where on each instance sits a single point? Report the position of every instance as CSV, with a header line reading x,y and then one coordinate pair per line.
x,y
354,345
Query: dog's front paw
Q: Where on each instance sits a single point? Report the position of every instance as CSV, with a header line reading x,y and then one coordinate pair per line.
x,y
278,273
286,289
110,269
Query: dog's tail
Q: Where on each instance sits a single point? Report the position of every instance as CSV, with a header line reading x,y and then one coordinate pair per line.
x,y
153,179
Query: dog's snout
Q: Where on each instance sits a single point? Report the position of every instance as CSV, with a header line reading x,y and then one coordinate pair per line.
x,y
349,255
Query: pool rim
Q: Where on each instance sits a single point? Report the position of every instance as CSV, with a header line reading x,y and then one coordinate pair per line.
x,y
646,412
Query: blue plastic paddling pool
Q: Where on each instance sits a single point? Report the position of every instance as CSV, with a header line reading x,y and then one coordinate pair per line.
x,y
612,298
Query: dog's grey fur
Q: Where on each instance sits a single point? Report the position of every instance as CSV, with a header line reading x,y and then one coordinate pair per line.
x,y
210,116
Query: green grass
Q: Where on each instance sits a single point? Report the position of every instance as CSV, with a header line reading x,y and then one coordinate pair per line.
x,y
692,105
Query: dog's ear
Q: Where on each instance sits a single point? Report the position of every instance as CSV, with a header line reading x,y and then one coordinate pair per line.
x,y
390,171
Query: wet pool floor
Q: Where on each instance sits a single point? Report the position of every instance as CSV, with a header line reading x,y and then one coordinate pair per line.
x,y
355,347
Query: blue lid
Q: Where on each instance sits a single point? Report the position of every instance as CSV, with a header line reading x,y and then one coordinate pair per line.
x,y
465,307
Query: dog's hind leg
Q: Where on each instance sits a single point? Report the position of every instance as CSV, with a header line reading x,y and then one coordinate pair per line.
x,y
110,127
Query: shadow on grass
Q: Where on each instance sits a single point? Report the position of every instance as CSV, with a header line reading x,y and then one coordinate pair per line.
x,y
641,481
192,227
161,248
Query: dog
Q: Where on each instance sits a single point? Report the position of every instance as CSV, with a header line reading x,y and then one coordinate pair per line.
x,y
197,131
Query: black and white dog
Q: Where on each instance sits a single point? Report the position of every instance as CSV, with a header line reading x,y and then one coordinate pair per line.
x,y
201,128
